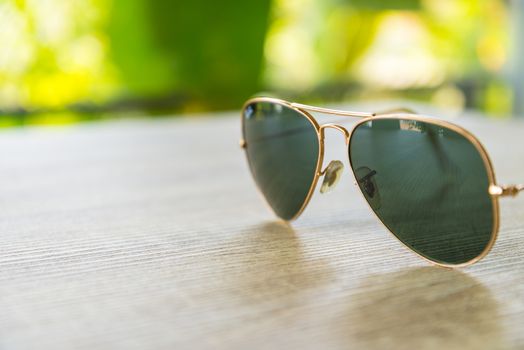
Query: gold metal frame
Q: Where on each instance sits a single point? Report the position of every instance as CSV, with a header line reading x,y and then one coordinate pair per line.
x,y
495,191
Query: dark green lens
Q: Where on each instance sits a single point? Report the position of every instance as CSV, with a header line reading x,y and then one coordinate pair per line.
x,y
428,184
282,148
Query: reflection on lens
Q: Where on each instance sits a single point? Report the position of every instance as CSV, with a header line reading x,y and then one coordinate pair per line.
x,y
282,149
433,186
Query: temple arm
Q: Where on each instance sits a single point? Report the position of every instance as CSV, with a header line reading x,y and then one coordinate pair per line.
x,y
506,190
396,110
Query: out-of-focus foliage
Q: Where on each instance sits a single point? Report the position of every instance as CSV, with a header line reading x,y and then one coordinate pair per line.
x,y
451,52
87,54
205,51
99,56
53,52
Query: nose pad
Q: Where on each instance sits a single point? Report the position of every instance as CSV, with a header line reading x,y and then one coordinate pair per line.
x,y
368,185
332,175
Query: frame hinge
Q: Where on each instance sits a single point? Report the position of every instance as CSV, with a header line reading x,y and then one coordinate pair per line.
x,y
505,190
242,143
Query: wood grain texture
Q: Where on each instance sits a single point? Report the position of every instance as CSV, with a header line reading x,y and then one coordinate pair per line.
x,y
150,235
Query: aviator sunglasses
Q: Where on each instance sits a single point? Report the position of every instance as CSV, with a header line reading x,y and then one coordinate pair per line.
x,y
430,182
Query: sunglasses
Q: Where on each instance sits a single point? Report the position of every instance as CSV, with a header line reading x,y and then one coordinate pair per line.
x,y
430,182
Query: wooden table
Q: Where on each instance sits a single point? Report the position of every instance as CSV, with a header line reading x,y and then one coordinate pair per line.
x,y
149,234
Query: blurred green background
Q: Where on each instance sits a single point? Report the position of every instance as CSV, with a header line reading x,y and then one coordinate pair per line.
x,y
67,60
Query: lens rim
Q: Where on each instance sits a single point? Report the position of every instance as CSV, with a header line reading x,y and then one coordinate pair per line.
x,y
320,157
487,164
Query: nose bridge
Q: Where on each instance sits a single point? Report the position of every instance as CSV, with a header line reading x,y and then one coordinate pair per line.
x,y
340,128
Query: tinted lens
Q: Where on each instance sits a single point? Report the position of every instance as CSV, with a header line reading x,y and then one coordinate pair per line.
x,y
428,184
282,149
